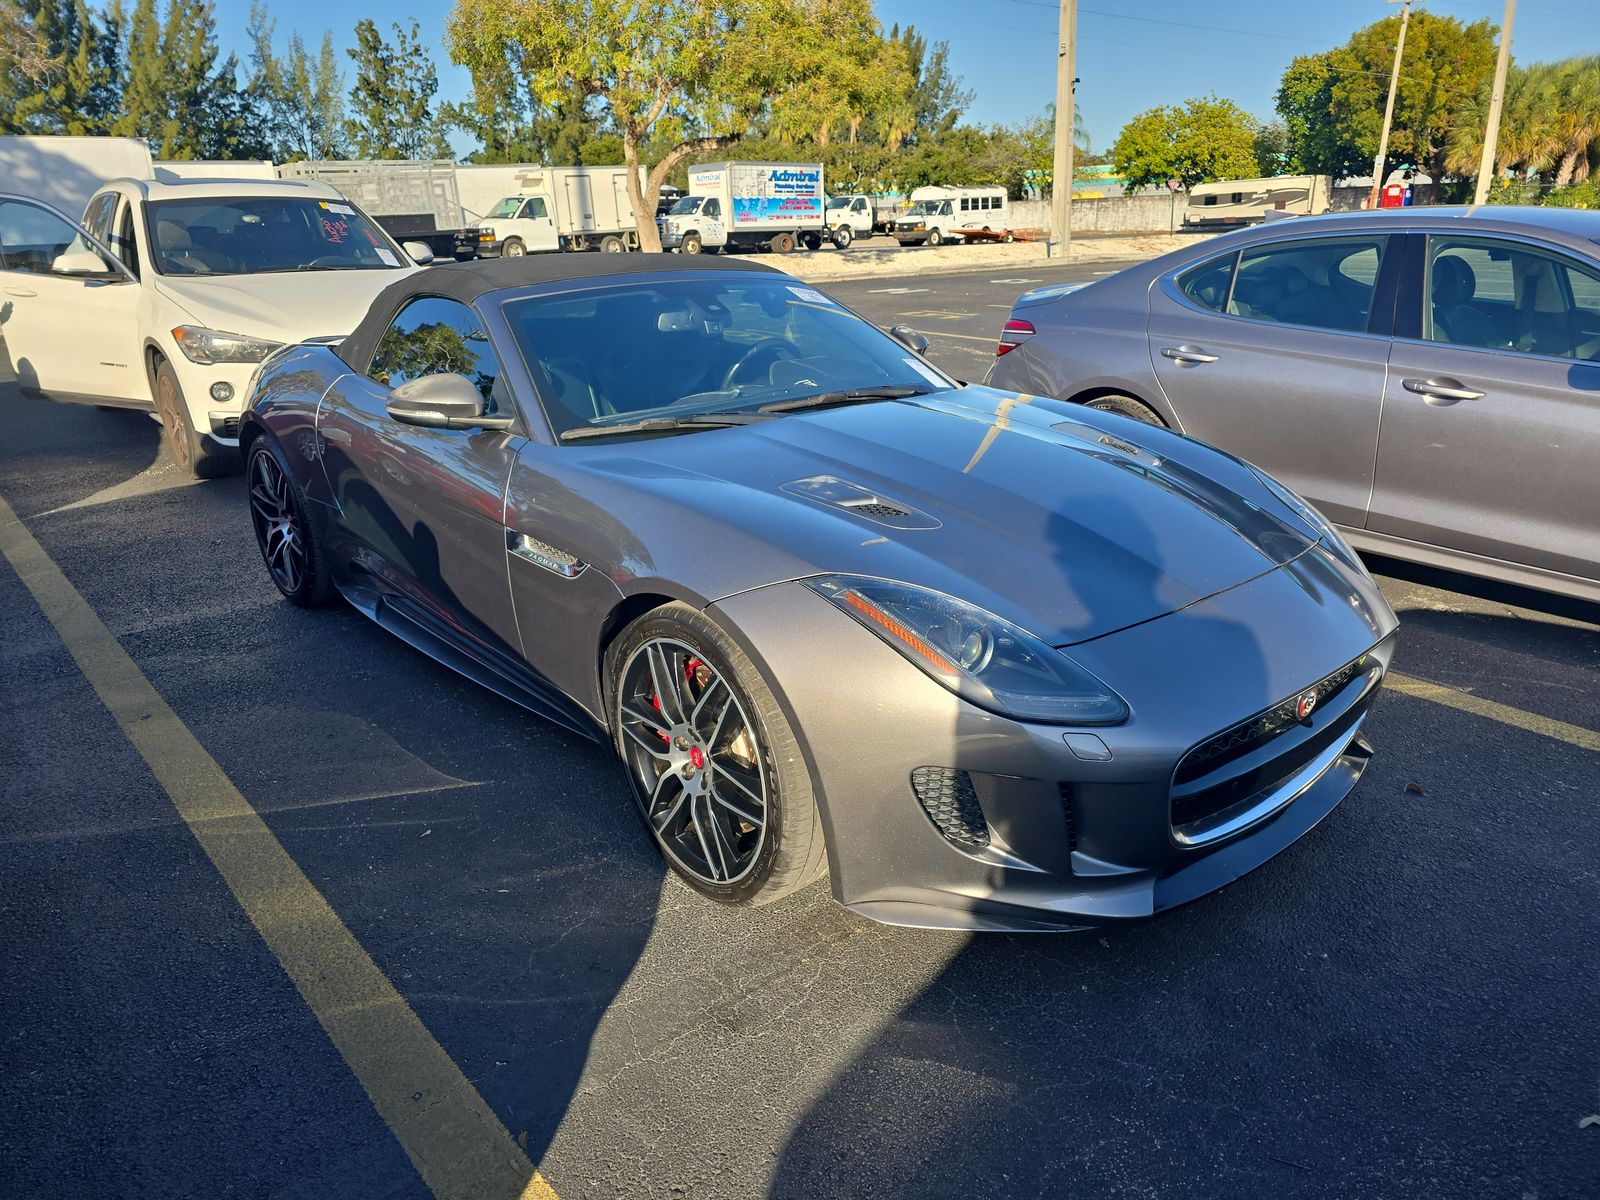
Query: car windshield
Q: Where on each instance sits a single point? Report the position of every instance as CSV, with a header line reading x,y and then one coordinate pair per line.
x,y
924,208
507,207
249,235
713,343
839,202
685,206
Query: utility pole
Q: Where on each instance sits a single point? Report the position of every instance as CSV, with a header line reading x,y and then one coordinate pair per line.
x,y
1388,108
1066,117
1491,132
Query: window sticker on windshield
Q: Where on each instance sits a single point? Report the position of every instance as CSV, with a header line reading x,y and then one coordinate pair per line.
x,y
388,257
927,372
345,209
811,296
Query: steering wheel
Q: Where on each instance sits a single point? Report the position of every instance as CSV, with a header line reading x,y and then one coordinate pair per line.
x,y
767,353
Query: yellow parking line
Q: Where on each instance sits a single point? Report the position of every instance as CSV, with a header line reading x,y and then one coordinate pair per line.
x,y
1573,735
452,1137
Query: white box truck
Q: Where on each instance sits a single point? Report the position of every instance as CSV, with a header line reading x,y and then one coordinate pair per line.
x,y
747,206
532,209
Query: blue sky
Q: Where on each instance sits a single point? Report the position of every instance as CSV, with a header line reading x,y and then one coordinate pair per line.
x,y
1132,54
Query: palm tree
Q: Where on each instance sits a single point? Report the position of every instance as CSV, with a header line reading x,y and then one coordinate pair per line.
x,y
1574,104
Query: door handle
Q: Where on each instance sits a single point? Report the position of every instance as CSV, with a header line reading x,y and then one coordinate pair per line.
x,y
20,291
1187,354
1440,391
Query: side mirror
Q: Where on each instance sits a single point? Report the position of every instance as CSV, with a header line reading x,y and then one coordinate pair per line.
x,y
445,401
81,263
910,339
418,252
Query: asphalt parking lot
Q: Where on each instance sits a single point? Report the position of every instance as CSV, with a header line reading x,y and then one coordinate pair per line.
x,y
288,910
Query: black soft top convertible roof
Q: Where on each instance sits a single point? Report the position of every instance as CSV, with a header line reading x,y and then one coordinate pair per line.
x,y
469,280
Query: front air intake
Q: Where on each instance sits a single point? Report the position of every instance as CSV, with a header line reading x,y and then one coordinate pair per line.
x,y
946,795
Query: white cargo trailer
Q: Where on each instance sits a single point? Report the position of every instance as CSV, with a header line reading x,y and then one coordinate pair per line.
x,y
747,206
65,171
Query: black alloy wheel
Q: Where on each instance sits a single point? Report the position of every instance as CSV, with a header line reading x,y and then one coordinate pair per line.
x,y
696,760
290,547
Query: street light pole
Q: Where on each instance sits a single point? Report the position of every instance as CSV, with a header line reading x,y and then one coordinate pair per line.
x,y
1066,116
1388,108
1491,132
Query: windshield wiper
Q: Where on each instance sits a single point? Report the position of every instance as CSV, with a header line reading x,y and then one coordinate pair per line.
x,y
853,396
663,425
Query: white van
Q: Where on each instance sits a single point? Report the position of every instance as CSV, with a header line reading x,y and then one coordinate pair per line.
x,y
940,214
1247,201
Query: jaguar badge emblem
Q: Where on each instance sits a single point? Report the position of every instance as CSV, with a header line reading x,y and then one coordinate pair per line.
x,y
1304,703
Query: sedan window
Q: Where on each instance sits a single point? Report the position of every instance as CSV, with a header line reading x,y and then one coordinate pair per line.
x,y
1207,285
1322,284
1496,295
434,336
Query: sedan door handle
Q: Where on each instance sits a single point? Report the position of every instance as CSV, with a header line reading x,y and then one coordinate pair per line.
x,y
1187,354
20,291
1442,390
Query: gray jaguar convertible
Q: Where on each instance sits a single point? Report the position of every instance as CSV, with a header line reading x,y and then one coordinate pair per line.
x,y
991,661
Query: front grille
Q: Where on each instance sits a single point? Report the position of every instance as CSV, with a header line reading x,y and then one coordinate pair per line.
x,y
947,797
1242,764
1231,743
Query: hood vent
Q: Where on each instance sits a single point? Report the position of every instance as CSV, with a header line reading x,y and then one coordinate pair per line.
x,y
860,501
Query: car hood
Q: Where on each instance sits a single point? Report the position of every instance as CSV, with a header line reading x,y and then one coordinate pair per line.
x,y
1070,522
288,306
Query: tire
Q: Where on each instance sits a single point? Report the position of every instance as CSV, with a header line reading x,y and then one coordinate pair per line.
x,y
1127,406
612,244
843,236
811,241
690,244
935,238
291,545
782,243
750,863
513,248
178,435
1008,237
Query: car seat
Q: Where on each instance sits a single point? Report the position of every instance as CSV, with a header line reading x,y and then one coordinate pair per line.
x,y
1454,286
182,256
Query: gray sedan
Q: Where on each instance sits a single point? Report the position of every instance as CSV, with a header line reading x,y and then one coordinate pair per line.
x,y
994,662
1428,378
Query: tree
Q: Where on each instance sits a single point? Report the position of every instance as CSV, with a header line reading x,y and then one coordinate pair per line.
x,y
1549,124
299,102
677,77
59,70
1332,103
392,99
937,98
1204,140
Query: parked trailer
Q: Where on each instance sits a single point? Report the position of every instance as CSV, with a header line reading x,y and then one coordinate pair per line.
x,y
413,200
746,206
531,209
946,214
1248,201
65,171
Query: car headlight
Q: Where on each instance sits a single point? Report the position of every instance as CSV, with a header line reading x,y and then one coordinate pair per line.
x,y
981,657
207,346
1323,527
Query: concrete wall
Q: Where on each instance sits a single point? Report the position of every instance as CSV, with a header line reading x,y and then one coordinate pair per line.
x,y
1113,214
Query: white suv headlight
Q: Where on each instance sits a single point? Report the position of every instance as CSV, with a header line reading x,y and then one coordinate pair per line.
x,y
207,346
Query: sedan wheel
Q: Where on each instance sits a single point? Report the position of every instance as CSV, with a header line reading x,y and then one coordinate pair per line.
x,y
290,545
712,761
1127,406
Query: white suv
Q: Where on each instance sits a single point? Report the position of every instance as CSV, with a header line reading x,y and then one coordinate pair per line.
x,y
169,294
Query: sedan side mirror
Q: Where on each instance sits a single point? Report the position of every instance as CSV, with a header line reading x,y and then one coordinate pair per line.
x,y
444,401
81,263
419,252
910,339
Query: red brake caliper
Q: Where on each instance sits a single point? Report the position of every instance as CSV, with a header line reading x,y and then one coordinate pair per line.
x,y
655,702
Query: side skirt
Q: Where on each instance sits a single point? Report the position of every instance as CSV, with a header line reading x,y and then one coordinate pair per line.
x,y
513,681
